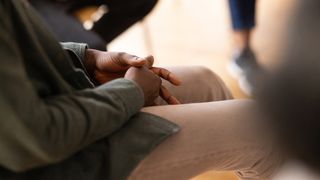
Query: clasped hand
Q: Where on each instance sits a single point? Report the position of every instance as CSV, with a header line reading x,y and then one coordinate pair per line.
x,y
107,66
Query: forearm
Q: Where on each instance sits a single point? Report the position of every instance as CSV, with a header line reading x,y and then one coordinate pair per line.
x,y
53,129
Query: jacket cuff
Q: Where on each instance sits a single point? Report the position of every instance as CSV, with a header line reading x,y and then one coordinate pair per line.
x,y
77,55
128,92
78,48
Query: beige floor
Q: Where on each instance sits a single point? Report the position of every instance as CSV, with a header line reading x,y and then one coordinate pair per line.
x,y
197,32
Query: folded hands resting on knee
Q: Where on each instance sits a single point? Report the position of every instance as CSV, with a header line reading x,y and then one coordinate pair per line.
x,y
104,67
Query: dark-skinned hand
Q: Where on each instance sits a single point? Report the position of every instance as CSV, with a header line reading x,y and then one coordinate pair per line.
x,y
107,66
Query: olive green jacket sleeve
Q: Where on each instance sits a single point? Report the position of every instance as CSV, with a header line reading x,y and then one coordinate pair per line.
x,y
77,52
78,48
35,131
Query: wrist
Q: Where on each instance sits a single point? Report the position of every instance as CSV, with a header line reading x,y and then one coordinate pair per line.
x,y
90,62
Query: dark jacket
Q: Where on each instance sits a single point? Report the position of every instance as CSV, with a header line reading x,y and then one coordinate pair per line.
x,y
54,124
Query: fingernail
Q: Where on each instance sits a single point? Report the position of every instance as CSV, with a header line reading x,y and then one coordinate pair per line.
x,y
149,57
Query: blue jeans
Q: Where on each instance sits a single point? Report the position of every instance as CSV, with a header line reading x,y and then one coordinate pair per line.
x,y
242,14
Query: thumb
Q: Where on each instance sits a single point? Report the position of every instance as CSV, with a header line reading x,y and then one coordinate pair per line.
x,y
134,60
149,61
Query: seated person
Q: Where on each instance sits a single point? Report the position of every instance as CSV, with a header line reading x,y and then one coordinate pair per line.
x,y
120,15
85,114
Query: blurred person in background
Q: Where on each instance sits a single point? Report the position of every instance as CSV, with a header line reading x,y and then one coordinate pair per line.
x,y
80,113
290,95
243,62
114,17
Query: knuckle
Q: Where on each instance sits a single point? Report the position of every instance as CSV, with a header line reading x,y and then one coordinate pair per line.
x,y
159,81
121,54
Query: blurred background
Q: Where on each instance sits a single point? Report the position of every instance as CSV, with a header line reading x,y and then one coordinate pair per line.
x,y
198,32
189,32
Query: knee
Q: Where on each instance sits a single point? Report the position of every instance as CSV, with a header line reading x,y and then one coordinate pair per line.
x,y
146,6
206,74
204,71
212,81
142,7
151,3
148,3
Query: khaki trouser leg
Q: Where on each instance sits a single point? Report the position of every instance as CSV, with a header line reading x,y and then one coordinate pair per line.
x,y
199,84
221,135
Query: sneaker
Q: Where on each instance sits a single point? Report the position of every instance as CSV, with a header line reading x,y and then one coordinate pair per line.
x,y
246,86
245,67
240,62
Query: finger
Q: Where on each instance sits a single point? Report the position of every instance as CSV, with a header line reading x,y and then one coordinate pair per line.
x,y
133,60
166,95
150,61
167,75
